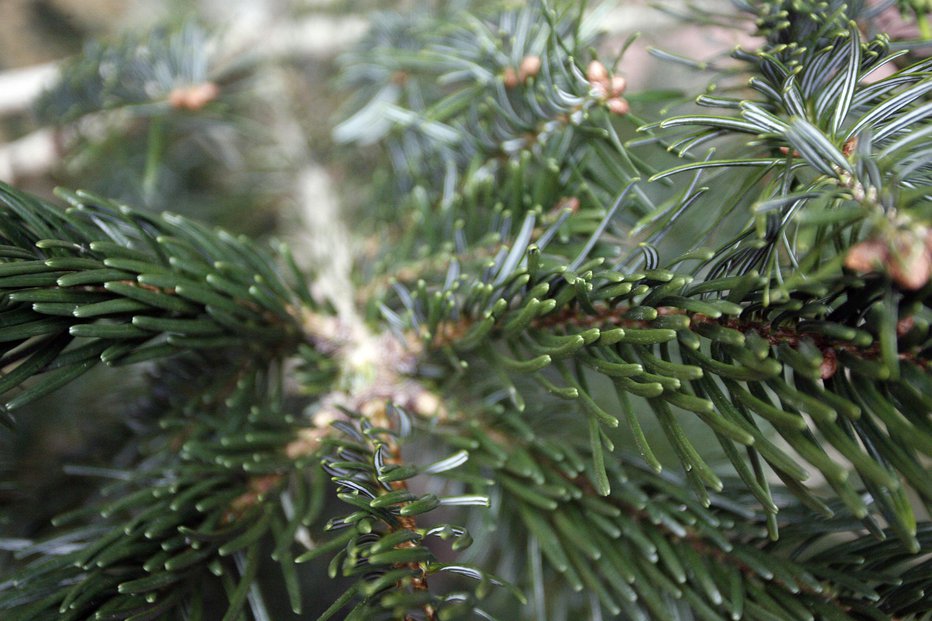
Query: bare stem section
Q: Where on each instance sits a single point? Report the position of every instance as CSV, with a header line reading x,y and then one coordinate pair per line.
x,y
375,369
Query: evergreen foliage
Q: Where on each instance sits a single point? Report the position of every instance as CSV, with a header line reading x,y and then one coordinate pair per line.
x,y
617,356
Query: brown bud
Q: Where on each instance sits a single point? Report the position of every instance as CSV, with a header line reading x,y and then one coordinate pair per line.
x,y
910,263
829,364
866,256
618,85
596,73
193,97
530,67
850,146
178,98
202,94
619,106
600,90
904,325
509,77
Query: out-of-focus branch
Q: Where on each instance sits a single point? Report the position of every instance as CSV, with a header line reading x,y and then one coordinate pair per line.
x,y
313,36
36,153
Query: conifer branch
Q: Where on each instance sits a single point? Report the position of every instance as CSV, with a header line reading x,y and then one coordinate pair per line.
x,y
383,545
126,87
543,319
200,502
312,36
101,283
644,524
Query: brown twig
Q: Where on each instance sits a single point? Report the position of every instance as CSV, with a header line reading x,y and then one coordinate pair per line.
x,y
614,317
377,413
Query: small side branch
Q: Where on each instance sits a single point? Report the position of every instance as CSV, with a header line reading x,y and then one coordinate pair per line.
x,y
267,41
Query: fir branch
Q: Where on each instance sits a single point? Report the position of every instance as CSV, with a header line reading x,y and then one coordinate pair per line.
x,y
649,519
522,338
101,283
823,144
195,500
124,73
658,337
383,546
829,345
311,36
512,107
